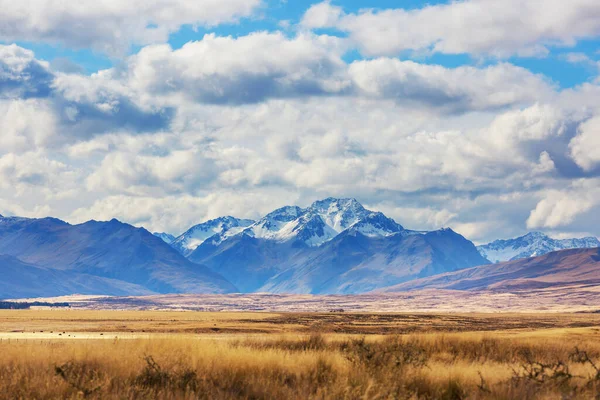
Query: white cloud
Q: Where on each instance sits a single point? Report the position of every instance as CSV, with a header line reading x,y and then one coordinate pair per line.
x,y
113,25
26,124
559,208
321,15
585,147
478,27
21,75
458,89
241,70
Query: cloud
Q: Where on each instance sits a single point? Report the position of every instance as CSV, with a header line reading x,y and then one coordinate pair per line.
x,y
455,89
21,75
560,207
585,147
26,124
33,169
112,26
578,58
248,69
477,27
321,15
43,107
261,66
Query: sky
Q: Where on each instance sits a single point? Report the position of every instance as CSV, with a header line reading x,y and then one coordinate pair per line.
x,y
479,115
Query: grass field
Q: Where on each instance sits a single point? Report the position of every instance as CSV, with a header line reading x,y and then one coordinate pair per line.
x,y
56,354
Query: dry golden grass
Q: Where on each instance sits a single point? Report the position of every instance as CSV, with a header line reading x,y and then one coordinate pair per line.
x,y
299,360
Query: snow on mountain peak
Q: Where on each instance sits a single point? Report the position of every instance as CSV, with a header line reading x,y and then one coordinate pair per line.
x,y
339,214
196,235
166,237
531,245
320,222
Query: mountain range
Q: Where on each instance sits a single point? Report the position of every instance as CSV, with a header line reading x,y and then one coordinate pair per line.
x,y
333,246
124,259
531,245
573,267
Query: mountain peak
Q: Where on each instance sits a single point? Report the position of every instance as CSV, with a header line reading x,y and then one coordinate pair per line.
x,y
531,245
339,203
535,235
321,221
198,234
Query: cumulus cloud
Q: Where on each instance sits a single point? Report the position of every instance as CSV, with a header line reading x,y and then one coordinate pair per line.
x,y
26,124
260,66
21,75
456,89
478,27
112,25
560,207
585,147
33,169
321,15
241,70
42,107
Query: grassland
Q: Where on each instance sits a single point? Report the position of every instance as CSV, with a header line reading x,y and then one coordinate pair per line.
x,y
56,354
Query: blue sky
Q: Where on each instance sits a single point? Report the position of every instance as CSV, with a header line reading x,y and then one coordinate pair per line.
x,y
475,114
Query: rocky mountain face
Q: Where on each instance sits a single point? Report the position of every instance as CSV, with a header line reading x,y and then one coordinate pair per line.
x,y
531,245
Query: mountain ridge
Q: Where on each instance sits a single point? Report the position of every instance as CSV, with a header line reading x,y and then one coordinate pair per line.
x,y
530,245
111,250
331,247
555,269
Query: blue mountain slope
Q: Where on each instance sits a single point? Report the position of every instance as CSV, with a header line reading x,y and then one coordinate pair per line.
x,y
20,280
355,263
111,250
333,246
166,237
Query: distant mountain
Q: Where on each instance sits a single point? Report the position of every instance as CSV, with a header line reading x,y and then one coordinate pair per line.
x,y
333,246
196,235
166,237
531,245
20,280
111,250
321,222
555,269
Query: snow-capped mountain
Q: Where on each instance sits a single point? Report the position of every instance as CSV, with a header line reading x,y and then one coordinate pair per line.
x,y
166,237
321,222
332,246
196,235
531,245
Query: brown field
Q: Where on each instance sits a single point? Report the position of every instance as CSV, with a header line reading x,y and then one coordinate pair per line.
x,y
56,354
